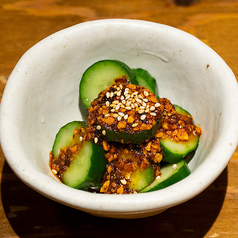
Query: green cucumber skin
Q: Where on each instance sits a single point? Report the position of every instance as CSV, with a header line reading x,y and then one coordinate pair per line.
x,y
169,177
173,157
140,180
171,153
94,79
136,138
146,80
64,136
94,174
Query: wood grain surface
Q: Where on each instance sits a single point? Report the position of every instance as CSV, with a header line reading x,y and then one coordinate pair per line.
x,y
25,213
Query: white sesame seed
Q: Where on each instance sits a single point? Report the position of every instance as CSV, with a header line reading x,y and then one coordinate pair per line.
x,y
143,117
107,115
95,140
107,103
140,96
126,116
113,110
111,94
146,93
175,166
119,118
147,110
54,171
107,94
120,85
152,108
145,99
104,132
135,124
115,115
135,93
158,177
119,93
115,102
143,104
138,100
80,138
153,114
121,114
98,127
128,108
141,111
123,101
117,107
122,97
123,181
157,104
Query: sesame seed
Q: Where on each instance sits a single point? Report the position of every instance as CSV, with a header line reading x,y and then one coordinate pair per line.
x,y
128,108
104,132
143,117
107,94
140,96
145,99
120,85
158,177
121,114
80,138
115,102
152,108
153,114
115,115
126,116
54,171
98,127
113,110
143,104
135,124
123,101
146,93
175,166
107,103
111,94
95,140
141,111
147,110
107,115
157,104
117,107
123,181
122,97
119,118
119,93
138,100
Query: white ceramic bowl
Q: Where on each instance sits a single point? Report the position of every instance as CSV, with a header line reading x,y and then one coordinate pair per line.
x,y
41,95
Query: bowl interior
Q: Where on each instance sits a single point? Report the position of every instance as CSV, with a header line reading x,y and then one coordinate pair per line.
x,y
43,88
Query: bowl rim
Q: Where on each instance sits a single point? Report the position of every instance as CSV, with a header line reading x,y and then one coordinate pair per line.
x,y
120,203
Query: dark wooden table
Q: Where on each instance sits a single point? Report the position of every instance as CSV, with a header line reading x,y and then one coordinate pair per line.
x,y
25,213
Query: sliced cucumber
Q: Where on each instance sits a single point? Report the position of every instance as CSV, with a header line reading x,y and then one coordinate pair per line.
x,y
87,168
170,174
65,136
99,76
88,163
146,80
140,180
174,151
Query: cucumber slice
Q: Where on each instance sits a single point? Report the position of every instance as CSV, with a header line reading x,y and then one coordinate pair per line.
x,y
146,80
174,151
99,76
88,163
140,180
64,137
170,174
87,169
